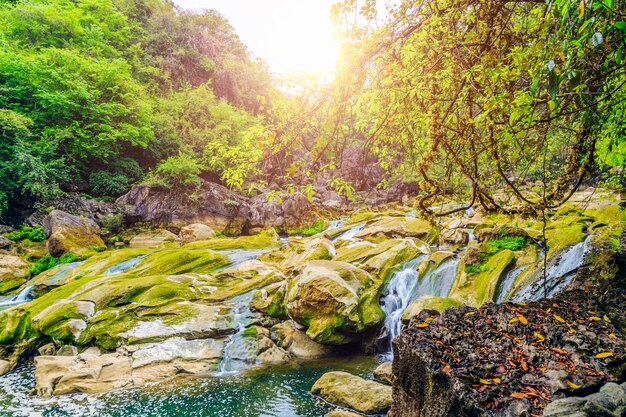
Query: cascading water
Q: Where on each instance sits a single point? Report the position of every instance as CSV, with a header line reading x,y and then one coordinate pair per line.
x,y
335,224
22,297
559,274
237,351
350,233
238,256
507,283
404,287
125,266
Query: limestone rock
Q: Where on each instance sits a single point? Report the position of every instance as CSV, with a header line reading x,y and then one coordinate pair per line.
x,y
336,300
427,302
14,271
4,242
383,372
47,350
195,232
152,239
342,413
71,234
67,350
397,227
347,390
6,366
297,342
455,236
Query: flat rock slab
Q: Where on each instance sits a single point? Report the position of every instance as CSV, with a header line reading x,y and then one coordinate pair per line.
x,y
508,359
350,391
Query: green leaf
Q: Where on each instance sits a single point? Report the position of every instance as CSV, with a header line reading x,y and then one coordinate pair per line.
x,y
621,26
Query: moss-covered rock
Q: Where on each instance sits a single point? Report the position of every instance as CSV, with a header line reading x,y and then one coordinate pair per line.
x,y
265,239
335,301
428,302
398,227
477,288
72,234
347,390
153,239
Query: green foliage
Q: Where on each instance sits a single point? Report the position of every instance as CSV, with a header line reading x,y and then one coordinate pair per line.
x,y
34,234
511,243
178,172
48,262
309,230
112,222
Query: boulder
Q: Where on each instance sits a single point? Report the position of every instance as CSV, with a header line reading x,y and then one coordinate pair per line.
x,y
271,300
195,232
383,372
347,390
71,234
152,239
14,271
335,301
297,342
455,236
6,366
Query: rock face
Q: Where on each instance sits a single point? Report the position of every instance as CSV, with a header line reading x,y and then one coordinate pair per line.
x,y
14,271
347,390
334,300
507,359
216,207
71,234
298,343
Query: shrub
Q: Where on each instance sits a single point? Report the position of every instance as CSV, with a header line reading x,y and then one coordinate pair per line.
x,y
48,262
511,243
34,234
112,222
178,171
309,230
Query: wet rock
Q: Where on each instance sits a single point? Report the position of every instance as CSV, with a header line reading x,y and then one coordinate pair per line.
x,y
71,234
397,227
4,242
428,302
6,366
347,390
152,239
455,236
342,413
14,271
195,232
297,343
383,372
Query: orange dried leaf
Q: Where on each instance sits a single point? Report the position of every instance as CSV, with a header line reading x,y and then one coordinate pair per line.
x,y
514,320
572,385
518,395
522,320
422,325
539,337
497,380
595,318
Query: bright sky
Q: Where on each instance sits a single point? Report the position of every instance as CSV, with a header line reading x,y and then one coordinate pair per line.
x,y
290,35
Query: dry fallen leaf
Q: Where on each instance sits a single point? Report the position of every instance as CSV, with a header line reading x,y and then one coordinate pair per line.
x,y
518,395
606,319
447,369
429,319
497,380
612,336
559,318
522,320
572,385
514,320
539,337
595,318
603,355
485,381
421,325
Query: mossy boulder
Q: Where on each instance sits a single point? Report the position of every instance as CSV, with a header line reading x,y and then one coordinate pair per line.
x,y
478,288
14,271
300,250
347,390
265,239
336,301
271,300
428,302
72,234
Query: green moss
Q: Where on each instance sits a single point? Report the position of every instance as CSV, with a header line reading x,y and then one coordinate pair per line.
x,y
180,261
54,324
265,239
510,243
48,262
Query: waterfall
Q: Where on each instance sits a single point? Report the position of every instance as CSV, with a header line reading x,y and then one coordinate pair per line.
x,y
350,233
559,275
21,298
439,281
236,351
125,266
507,283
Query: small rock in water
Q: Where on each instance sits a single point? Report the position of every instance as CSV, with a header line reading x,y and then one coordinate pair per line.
x,y
47,350
350,391
383,372
67,350
342,413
